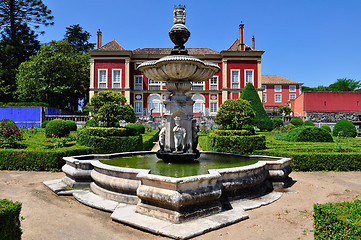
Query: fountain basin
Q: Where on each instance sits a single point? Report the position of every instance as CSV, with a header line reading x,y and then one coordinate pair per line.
x,y
176,67
177,199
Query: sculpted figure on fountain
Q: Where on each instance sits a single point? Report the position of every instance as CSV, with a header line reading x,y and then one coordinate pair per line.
x,y
179,135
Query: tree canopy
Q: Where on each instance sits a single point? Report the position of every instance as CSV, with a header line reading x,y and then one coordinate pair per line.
x,y
109,107
261,119
54,75
19,19
234,113
341,85
79,38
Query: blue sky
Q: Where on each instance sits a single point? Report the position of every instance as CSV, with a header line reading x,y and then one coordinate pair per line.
x,y
311,41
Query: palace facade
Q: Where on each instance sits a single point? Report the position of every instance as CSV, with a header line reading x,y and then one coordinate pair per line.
x,y
112,67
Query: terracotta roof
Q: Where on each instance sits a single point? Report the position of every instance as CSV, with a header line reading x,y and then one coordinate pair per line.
x,y
111,46
235,46
276,79
166,51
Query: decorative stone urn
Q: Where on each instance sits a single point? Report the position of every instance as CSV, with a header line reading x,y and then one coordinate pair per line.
x,y
178,136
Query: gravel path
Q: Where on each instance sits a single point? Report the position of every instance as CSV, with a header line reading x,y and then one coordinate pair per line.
x,y
48,216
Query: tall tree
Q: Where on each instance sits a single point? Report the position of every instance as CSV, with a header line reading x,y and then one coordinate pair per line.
x,y
344,85
18,20
79,38
261,119
54,75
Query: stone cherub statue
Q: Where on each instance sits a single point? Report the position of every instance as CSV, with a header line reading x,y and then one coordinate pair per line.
x,y
179,135
195,130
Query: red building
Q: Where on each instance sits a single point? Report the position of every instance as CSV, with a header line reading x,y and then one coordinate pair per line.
x,y
278,91
112,67
328,107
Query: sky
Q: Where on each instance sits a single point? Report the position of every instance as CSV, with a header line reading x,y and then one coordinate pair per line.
x,y
314,42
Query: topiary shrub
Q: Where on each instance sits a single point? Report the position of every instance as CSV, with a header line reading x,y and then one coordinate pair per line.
x,y
71,125
43,124
297,121
277,122
261,119
9,134
308,123
327,128
10,220
234,113
57,128
306,134
138,126
344,128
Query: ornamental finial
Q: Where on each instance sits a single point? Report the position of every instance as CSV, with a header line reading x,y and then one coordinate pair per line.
x,y
179,14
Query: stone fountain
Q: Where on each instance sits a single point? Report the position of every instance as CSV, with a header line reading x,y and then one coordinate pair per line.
x,y
161,203
178,137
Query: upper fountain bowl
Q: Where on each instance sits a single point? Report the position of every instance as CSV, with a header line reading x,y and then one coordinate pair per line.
x,y
179,67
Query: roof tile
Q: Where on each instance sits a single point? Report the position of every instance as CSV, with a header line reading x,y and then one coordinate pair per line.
x,y
276,79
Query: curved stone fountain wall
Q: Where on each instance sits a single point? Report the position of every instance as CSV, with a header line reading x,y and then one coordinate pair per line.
x,y
176,199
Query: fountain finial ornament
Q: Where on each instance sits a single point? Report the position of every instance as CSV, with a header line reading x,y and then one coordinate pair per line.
x,y
179,33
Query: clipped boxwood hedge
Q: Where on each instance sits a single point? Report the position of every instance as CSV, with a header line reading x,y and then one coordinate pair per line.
x,y
105,132
58,127
235,144
242,132
149,138
9,220
297,121
341,220
38,160
111,144
138,126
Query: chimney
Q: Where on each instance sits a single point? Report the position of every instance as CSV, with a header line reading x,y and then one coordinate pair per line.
x,y
253,43
99,38
242,46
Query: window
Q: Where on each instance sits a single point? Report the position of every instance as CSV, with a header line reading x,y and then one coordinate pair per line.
x,y
235,78
138,108
213,83
198,104
117,76
264,87
154,104
278,88
103,78
197,86
154,85
278,98
214,107
138,82
248,76
292,88
264,97
292,96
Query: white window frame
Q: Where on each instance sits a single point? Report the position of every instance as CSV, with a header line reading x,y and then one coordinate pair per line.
x,y
276,98
141,107
237,80
292,94
154,85
213,86
278,90
106,78
211,107
264,97
157,108
198,106
245,76
138,86
120,78
264,87
197,86
293,90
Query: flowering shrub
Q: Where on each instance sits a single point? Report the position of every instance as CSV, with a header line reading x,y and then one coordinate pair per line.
x,y
9,134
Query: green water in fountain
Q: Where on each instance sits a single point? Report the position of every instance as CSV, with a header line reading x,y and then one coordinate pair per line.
x,y
198,167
